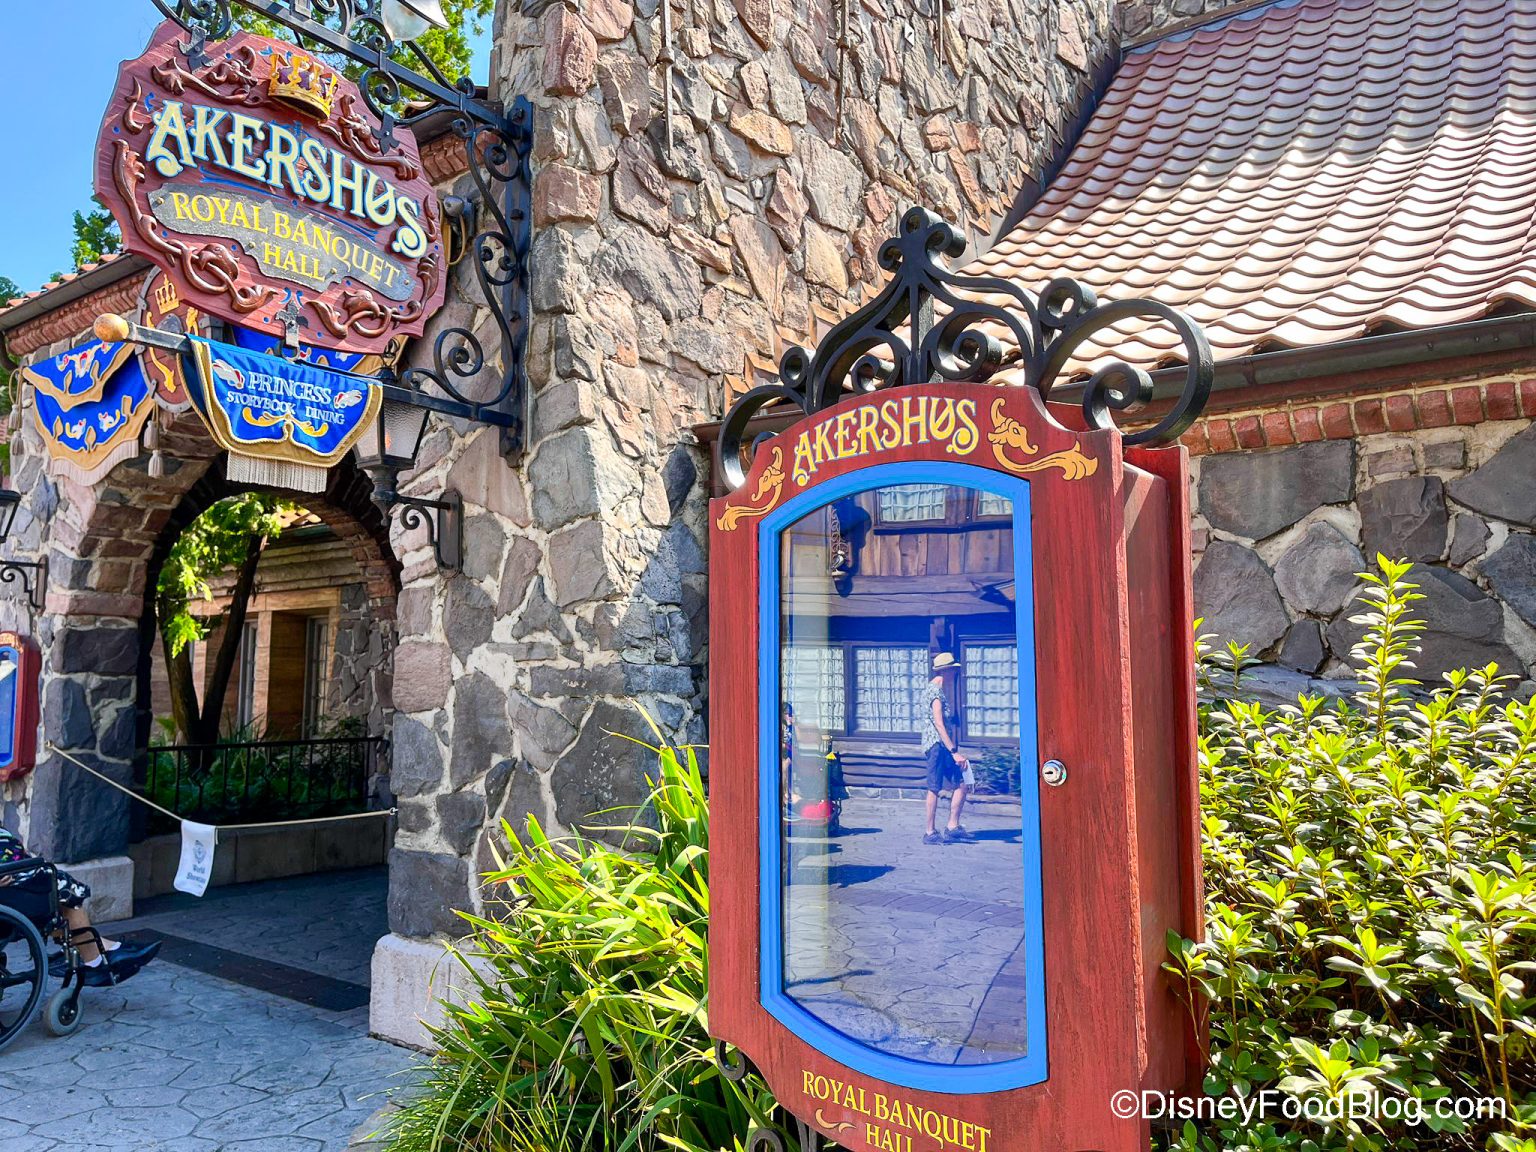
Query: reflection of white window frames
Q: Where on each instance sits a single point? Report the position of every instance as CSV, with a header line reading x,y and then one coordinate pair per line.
x,y
889,688
813,686
991,691
991,504
913,503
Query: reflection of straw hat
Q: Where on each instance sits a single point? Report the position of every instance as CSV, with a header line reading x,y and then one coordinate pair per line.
x,y
943,661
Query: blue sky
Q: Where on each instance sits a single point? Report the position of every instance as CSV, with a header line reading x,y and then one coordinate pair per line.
x,y
58,60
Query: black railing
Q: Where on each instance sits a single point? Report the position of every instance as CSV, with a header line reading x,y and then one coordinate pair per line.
x,y
260,780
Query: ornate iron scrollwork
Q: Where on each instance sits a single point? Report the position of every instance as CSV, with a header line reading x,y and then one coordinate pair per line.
x,y
929,324
497,146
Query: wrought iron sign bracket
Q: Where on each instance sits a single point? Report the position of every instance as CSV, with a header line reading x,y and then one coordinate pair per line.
x,y
33,577
930,323
497,144
446,534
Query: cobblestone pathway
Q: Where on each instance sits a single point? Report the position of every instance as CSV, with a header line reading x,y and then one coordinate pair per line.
x,y
183,1060
915,949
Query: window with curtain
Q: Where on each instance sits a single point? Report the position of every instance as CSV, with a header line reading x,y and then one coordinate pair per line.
x,y
912,503
991,504
888,688
814,686
991,690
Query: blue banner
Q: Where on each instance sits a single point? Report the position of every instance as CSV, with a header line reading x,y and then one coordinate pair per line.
x,y
357,363
263,406
91,403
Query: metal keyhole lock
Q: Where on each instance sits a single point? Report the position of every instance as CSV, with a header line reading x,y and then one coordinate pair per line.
x,y
1054,773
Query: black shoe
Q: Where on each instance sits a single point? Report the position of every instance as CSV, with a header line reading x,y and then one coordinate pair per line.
x,y
933,838
958,835
110,972
143,951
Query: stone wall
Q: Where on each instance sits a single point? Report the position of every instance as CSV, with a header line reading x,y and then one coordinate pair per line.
x,y
1140,19
670,272
1442,476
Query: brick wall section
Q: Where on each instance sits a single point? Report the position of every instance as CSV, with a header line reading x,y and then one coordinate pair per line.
x,y
1412,410
1293,499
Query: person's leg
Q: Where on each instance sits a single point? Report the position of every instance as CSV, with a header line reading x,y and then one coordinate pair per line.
x,y
956,806
82,937
933,809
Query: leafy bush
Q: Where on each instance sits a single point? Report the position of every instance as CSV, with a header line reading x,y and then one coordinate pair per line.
x,y
1371,900
247,779
589,1031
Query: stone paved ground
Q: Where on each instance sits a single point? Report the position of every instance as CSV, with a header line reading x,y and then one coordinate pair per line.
x,y
910,947
181,1061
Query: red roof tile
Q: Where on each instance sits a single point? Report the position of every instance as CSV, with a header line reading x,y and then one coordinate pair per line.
x,y
1303,172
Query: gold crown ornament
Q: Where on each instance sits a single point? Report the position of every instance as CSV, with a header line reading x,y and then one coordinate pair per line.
x,y
300,79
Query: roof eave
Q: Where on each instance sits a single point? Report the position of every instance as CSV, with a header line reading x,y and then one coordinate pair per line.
x,y
51,299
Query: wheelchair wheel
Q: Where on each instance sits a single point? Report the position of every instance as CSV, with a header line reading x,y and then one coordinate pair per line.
x,y
61,1015
23,972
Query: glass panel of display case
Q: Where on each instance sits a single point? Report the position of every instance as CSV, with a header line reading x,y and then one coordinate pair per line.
x,y
903,892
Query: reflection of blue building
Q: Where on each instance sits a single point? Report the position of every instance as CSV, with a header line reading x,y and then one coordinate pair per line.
x,y
908,570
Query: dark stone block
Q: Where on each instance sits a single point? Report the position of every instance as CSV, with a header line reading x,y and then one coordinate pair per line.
x,y
481,734
67,719
119,739
484,539
1469,536
1404,519
1317,572
414,817
661,679
679,476
1256,494
468,617
1505,486
416,759
677,556
1303,649
1464,627
496,782
1237,598
1511,573
601,780
541,615
74,816
460,816
425,890
104,651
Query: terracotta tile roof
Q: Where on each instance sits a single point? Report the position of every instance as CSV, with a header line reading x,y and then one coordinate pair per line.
x,y
66,278
1303,172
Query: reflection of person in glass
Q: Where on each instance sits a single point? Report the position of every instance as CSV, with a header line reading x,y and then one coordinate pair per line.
x,y
946,765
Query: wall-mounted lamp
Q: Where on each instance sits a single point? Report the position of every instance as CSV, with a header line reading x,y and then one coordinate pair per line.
x,y
407,19
33,575
390,447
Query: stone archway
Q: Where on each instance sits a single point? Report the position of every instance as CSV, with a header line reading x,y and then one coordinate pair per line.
x,y
106,544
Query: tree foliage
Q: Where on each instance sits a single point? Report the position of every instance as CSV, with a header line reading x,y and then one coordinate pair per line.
x,y
230,535
96,235
450,49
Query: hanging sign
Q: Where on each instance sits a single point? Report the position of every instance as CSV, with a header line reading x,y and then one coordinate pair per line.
x,y
952,716
259,184
283,423
91,404
195,868
20,672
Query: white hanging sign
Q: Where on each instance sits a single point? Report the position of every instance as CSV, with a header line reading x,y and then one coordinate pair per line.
x,y
196,867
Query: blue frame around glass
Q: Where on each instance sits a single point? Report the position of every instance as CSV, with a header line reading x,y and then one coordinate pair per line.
x,y
10,689
956,1079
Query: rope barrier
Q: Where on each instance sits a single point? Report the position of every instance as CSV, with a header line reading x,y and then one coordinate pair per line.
x,y
78,763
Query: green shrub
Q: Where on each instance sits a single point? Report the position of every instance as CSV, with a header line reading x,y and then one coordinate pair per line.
x,y
589,1031
1371,903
